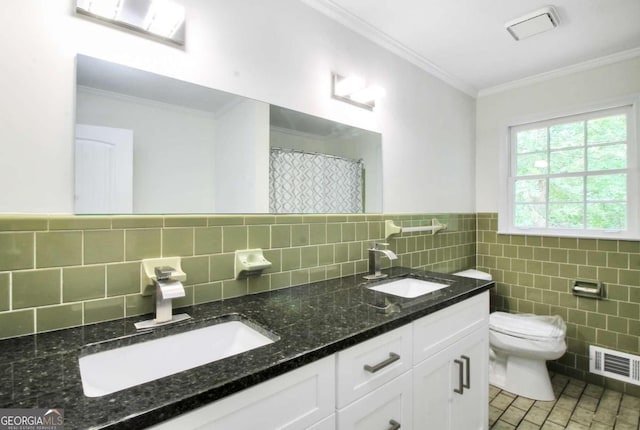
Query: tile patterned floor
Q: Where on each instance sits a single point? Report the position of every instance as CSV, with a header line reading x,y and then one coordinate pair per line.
x,y
578,406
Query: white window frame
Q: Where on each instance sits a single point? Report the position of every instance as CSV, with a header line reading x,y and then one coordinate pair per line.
x,y
507,172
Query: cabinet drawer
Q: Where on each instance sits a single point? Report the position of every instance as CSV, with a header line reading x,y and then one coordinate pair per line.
x,y
387,407
370,364
445,327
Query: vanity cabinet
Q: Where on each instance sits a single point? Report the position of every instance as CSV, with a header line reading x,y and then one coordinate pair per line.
x,y
450,388
450,373
374,382
430,374
370,364
387,407
300,399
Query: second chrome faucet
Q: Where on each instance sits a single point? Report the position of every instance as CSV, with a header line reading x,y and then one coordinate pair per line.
x,y
374,260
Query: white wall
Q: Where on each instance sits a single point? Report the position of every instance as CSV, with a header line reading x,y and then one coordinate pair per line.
x,y
279,51
173,150
496,111
242,159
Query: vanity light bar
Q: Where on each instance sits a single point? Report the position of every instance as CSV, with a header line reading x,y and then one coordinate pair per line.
x,y
108,9
163,19
353,90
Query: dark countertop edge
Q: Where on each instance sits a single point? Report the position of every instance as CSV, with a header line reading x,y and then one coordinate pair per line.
x,y
173,410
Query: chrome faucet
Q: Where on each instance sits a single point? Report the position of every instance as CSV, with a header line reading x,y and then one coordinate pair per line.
x,y
374,260
166,290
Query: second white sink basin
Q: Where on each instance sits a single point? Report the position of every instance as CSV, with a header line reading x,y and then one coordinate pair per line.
x,y
409,287
109,371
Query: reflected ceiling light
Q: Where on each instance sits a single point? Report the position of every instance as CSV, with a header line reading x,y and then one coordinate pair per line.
x,y
541,20
353,90
349,85
162,19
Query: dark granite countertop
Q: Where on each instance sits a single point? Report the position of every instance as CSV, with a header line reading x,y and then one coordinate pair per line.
x,y
312,322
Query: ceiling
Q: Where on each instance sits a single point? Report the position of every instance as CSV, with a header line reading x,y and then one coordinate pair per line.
x,y
465,43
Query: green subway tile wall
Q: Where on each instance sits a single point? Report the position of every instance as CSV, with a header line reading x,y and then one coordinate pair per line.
x,y
535,274
65,271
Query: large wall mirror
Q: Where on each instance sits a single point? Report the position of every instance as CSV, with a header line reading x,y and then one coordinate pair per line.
x,y
149,144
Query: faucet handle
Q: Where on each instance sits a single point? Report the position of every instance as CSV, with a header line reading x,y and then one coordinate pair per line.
x,y
375,245
164,273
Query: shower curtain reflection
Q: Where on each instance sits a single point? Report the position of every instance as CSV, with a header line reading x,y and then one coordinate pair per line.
x,y
307,182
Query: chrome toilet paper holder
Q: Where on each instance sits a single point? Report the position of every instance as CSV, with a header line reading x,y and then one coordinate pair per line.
x,y
590,289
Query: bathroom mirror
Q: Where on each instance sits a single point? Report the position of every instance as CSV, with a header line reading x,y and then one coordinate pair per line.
x,y
149,144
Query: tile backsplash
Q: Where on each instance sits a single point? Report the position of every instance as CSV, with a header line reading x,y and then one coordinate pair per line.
x,y
64,271
535,274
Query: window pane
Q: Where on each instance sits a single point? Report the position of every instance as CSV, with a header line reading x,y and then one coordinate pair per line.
x,y
566,189
531,140
611,216
607,157
568,160
609,129
530,215
531,190
607,187
531,164
566,215
566,135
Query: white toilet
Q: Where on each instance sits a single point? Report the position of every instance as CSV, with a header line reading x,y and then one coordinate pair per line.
x,y
519,346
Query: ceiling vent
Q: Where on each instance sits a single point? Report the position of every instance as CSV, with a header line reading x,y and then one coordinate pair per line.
x,y
541,20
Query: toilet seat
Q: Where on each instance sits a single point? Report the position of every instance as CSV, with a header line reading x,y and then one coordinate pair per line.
x,y
528,326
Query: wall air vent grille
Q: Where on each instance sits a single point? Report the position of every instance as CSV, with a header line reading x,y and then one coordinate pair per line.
x,y
614,364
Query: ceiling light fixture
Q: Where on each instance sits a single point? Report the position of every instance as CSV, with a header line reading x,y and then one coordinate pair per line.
x,y
354,91
533,23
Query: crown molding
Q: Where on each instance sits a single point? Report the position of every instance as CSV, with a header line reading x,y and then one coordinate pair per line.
x,y
346,18
563,71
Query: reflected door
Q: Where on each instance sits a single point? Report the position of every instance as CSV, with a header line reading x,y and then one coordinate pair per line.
x,y
104,170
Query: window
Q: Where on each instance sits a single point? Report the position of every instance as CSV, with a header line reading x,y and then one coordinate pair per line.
x,y
574,176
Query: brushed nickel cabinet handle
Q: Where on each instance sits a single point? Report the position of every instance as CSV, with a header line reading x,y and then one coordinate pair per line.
x,y
373,369
468,371
395,425
460,388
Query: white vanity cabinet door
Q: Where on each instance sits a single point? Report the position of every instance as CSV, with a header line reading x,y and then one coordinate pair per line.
x,y
462,367
470,410
387,407
296,400
441,329
370,364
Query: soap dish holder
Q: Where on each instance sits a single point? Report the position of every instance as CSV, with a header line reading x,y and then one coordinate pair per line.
x,y
250,262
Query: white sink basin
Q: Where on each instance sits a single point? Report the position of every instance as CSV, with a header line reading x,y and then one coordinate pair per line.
x,y
109,371
409,287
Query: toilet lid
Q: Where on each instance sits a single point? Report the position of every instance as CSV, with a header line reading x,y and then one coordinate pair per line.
x,y
528,326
